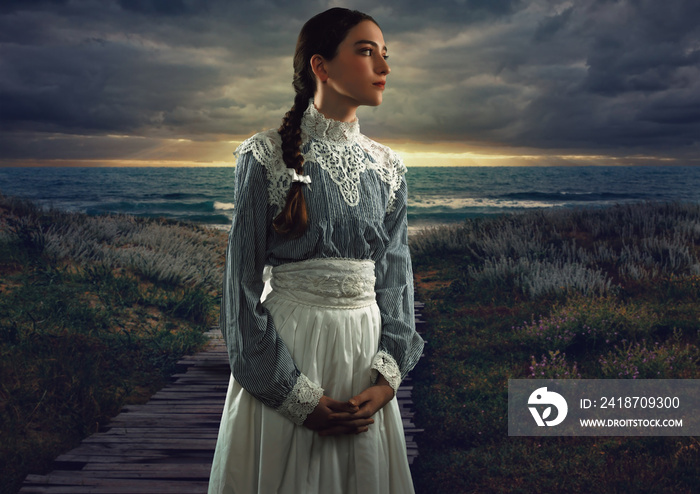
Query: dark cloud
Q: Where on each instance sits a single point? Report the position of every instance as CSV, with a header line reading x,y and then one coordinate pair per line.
x,y
551,25
681,111
8,6
160,7
398,16
72,89
607,76
642,65
615,77
69,147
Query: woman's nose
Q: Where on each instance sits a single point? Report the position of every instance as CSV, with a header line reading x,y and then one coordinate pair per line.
x,y
383,67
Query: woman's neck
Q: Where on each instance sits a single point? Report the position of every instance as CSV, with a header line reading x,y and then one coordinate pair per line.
x,y
335,108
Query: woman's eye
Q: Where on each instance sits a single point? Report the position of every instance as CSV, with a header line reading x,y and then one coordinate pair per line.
x,y
369,51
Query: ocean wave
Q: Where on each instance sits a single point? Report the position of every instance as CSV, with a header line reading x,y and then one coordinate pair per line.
x,y
518,200
223,206
457,203
565,196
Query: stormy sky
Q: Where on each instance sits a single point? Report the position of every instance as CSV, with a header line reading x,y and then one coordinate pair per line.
x,y
473,82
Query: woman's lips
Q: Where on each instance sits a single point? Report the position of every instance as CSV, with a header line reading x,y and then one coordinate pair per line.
x,y
380,84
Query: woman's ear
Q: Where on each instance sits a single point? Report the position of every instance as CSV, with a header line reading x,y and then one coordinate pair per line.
x,y
318,65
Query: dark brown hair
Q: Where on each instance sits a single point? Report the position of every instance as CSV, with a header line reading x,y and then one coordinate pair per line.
x,y
321,35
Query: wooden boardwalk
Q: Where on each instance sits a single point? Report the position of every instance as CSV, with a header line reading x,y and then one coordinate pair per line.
x,y
167,445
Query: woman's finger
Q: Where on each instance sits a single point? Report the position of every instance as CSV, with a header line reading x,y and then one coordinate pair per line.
x,y
342,406
362,413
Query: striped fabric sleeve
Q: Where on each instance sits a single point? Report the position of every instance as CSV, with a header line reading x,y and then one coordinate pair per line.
x,y
260,360
400,346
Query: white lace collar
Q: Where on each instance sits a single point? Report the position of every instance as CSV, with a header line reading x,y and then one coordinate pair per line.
x,y
337,148
315,125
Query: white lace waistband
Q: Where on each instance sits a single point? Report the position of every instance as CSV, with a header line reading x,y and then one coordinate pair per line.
x,y
326,282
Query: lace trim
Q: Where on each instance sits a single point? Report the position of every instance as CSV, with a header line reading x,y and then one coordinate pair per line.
x,y
266,148
385,365
344,158
344,163
316,125
330,279
302,400
388,165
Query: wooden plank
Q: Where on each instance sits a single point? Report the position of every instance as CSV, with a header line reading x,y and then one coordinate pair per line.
x,y
193,471
118,486
145,456
155,434
137,429
158,406
150,443
165,468
174,423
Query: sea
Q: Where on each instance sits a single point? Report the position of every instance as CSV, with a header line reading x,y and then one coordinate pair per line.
x,y
437,195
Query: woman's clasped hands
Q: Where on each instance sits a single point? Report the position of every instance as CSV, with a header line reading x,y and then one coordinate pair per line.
x,y
332,417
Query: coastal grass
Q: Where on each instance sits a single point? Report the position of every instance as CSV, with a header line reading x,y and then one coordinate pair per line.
x,y
590,293
94,314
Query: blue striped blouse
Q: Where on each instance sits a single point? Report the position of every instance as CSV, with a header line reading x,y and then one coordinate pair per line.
x,y
357,209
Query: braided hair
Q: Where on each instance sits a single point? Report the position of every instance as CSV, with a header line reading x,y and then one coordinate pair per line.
x,y
321,35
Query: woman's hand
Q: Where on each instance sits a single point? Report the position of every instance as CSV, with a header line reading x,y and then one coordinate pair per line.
x,y
319,420
369,402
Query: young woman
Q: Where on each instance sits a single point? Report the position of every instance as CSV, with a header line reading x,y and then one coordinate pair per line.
x,y
320,213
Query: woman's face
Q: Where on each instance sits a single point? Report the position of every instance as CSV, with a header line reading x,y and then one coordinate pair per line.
x,y
357,73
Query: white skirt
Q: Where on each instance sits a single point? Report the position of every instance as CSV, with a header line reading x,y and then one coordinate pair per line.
x,y
326,313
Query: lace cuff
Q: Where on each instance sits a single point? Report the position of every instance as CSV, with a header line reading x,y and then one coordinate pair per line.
x,y
385,365
302,400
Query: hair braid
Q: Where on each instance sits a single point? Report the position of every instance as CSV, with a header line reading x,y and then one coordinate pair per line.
x,y
320,35
293,219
